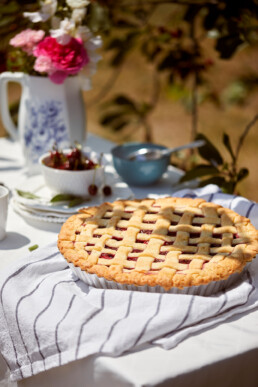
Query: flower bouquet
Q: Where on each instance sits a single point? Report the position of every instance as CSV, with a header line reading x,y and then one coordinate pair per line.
x,y
60,45
53,60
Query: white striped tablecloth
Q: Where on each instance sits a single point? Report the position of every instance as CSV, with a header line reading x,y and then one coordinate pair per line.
x,y
48,317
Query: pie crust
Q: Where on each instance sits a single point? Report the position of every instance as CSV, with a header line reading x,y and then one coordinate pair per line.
x,y
170,242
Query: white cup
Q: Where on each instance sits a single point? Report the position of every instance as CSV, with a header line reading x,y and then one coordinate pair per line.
x,y
4,196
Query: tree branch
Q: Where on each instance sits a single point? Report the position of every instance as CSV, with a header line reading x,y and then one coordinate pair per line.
x,y
244,134
160,2
106,88
194,128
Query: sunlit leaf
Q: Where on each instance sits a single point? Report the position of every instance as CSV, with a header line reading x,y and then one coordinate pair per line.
x,y
227,143
26,194
235,93
209,152
123,100
199,171
168,62
217,180
108,118
76,201
227,45
242,174
191,12
228,187
120,124
211,17
62,198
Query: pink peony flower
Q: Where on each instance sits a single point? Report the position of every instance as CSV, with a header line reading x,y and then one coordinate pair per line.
x,y
58,77
66,59
43,64
27,40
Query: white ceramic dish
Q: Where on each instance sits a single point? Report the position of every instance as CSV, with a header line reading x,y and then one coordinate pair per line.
x,y
36,216
72,182
42,210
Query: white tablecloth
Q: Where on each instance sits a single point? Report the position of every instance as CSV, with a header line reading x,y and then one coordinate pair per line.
x,y
222,355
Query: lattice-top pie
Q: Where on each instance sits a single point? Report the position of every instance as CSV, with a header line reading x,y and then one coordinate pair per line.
x,y
171,242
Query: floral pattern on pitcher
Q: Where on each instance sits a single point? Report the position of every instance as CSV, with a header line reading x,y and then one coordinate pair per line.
x,y
44,128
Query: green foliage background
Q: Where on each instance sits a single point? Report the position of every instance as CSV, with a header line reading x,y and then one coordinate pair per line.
x,y
180,50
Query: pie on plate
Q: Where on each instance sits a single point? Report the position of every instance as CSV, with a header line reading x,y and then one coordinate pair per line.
x,y
172,243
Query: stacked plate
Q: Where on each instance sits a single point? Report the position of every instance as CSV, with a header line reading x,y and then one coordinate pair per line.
x,y
32,199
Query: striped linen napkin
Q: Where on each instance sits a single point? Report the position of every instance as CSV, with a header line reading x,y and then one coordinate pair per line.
x,y
48,317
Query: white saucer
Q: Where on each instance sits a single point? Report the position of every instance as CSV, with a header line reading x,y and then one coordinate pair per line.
x,y
42,209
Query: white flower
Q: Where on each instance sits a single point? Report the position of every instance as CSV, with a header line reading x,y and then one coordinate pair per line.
x,y
91,44
85,82
77,3
83,33
78,14
48,9
94,43
64,32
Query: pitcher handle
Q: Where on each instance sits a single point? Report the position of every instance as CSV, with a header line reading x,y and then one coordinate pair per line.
x,y
4,107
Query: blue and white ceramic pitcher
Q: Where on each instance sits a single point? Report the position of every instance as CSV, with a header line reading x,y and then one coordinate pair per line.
x,y
48,114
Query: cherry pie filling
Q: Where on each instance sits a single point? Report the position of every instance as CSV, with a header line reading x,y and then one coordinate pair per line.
x,y
188,250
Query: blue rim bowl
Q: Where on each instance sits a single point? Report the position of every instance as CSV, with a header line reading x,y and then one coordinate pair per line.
x,y
136,172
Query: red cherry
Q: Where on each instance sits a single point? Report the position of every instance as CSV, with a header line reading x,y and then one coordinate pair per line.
x,y
162,29
89,164
56,158
93,189
107,190
176,33
209,62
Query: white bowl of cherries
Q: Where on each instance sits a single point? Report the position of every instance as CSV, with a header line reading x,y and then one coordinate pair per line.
x,y
73,172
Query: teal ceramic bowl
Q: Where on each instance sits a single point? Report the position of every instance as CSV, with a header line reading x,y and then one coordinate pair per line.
x,y
138,172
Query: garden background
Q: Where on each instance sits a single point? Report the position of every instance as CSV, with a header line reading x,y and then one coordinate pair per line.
x,y
226,98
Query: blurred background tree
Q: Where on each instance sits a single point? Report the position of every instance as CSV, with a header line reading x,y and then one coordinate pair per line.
x,y
171,52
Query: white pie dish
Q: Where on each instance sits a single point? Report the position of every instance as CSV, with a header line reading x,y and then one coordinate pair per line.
x,y
201,290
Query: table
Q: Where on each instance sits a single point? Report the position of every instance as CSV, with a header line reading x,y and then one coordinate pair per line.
x,y
224,355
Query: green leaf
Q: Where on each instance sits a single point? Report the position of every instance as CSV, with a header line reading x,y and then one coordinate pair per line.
x,y
209,152
26,194
119,57
235,93
150,50
218,180
114,44
227,143
7,20
227,45
123,23
34,247
228,187
168,62
123,100
108,118
242,174
199,171
120,124
62,198
210,19
191,12
122,47
10,7
76,201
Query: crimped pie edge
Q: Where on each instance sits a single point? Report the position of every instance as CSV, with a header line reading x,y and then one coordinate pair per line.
x,y
235,262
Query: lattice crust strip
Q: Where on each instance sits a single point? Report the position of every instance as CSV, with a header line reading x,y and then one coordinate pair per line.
x,y
168,242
